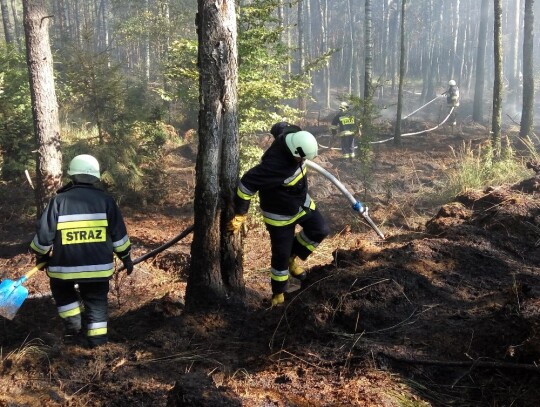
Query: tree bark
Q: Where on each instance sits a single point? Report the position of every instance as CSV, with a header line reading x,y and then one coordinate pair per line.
x,y
216,265
397,131
368,41
527,114
497,83
478,104
8,30
44,104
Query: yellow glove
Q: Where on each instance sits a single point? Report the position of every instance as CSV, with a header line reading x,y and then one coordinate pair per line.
x,y
236,223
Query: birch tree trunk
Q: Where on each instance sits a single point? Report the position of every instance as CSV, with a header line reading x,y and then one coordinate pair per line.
x,y
527,114
216,256
44,104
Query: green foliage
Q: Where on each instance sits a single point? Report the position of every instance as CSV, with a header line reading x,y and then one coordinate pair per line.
x,y
367,115
16,126
182,72
476,168
131,160
263,88
94,89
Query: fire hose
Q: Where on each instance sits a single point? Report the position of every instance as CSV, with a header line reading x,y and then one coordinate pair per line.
x,y
356,205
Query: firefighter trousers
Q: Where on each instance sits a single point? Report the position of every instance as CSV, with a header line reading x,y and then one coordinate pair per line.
x,y
90,316
286,244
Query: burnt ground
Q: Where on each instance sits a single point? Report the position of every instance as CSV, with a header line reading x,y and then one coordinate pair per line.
x,y
444,312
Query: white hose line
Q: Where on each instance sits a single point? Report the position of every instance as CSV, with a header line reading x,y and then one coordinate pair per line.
x,y
418,132
356,205
421,107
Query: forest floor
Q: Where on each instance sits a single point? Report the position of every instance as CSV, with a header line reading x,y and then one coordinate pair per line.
x,y
444,312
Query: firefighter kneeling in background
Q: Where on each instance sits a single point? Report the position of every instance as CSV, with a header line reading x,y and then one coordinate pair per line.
x,y
77,235
343,125
281,180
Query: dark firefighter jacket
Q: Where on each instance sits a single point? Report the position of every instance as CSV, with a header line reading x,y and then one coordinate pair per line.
x,y
84,227
343,124
282,185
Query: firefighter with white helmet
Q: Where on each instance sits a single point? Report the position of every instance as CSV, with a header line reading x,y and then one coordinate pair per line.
x,y
343,125
452,94
281,181
77,236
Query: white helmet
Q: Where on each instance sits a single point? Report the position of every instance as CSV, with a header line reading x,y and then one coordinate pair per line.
x,y
84,164
452,82
302,144
343,106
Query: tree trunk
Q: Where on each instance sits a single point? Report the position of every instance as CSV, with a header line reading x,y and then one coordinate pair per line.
x,y
18,35
44,104
478,105
216,265
302,102
497,83
527,114
368,41
8,31
515,57
351,47
397,131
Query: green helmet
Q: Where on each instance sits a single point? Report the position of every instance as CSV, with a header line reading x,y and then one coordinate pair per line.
x,y
302,144
84,164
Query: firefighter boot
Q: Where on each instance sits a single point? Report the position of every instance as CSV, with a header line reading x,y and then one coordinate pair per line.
x,y
295,270
278,299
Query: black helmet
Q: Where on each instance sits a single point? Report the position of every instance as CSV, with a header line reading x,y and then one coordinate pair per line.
x,y
278,128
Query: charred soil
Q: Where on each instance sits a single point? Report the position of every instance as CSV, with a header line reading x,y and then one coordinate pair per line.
x,y
444,312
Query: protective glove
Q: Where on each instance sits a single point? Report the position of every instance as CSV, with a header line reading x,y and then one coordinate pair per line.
x,y
42,258
236,223
128,264
278,299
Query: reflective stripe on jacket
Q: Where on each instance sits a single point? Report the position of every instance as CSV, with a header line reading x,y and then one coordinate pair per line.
x,y
84,228
281,183
343,124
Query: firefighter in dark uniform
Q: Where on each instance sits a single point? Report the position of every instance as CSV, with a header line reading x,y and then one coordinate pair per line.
x,y
77,235
343,125
280,178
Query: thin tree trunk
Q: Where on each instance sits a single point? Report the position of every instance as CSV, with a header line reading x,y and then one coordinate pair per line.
x,y
8,30
515,55
497,83
397,131
368,41
44,104
478,105
216,261
302,102
18,34
527,114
